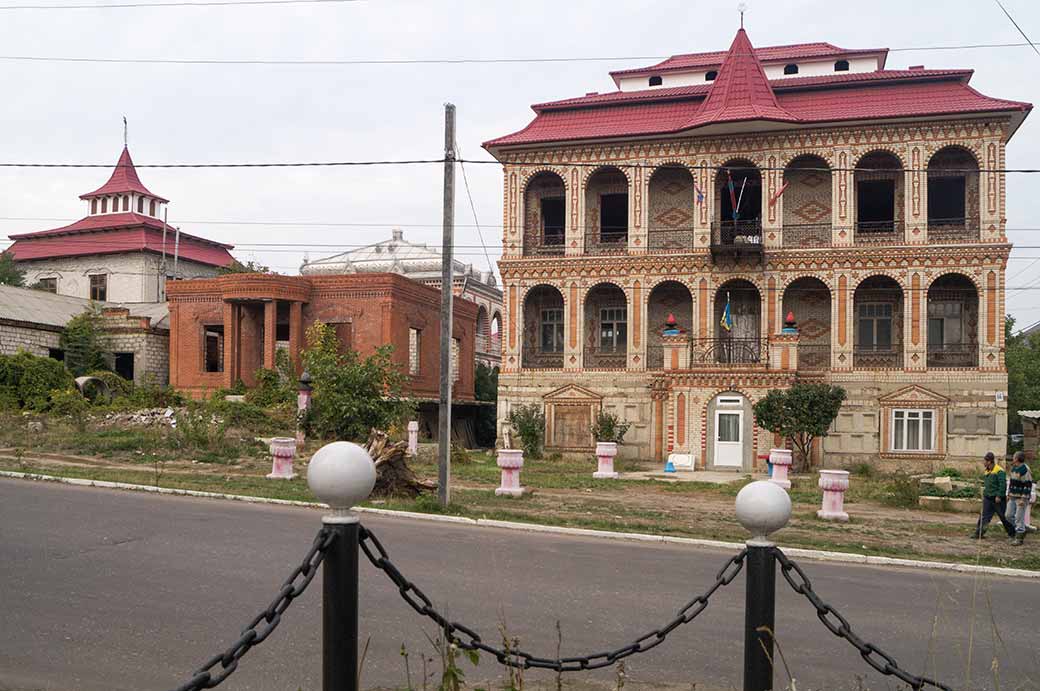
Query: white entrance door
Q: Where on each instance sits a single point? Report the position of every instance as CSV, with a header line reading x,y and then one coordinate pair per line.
x,y
729,447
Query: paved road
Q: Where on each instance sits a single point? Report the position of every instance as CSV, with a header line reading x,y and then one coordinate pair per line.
x,y
115,590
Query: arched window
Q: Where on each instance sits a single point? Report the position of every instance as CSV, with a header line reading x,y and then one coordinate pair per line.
x,y
93,206
791,69
710,75
655,80
841,66
126,203
151,208
140,205
104,205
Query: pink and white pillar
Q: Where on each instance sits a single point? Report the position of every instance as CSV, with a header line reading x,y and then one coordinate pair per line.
x,y
833,483
781,460
283,451
510,461
605,452
413,437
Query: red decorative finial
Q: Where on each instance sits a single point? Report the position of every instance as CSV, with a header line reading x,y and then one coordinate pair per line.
x,y
790,318
671,319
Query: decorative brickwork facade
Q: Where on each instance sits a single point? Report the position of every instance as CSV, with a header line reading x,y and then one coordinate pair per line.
x,y
892,292
224,329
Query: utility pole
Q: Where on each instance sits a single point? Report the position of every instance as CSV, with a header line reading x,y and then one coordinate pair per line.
x,y
447,274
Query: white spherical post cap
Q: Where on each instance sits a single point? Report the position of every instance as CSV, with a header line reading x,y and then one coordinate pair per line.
x,y
341,474
763,508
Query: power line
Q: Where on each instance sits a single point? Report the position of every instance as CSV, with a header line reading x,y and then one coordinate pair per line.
x,y
175,3
473,209
293,164
377,61
1008,14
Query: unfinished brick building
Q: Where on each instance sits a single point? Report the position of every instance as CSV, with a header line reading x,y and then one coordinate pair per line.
x,y
224,329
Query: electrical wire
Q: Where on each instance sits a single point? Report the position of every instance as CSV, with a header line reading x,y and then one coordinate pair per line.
x,y
1008,15
172,3
473,210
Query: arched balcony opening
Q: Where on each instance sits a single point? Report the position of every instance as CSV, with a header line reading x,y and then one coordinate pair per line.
x,y
496,333
545,214
671,210
737,228
879,199
953,195
606,328
606,212
953,322
738,327
878,308
483,340
667,299
809,300
543,329
807,202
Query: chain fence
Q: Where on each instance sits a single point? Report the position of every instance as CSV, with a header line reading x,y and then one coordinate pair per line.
x,y
210,675
471,640
840,627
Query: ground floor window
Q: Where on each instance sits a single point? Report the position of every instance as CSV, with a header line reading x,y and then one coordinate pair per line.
x,y
49,285
913,430
213,348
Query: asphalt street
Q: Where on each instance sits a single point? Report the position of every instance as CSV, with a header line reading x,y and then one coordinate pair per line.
x,y
108,590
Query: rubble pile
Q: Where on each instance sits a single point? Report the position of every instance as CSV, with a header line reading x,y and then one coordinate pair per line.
x,y
147,417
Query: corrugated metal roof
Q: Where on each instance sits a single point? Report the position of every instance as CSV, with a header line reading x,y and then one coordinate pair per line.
x,y
41,307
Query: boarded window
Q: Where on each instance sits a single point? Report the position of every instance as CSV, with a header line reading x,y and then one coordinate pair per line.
x,y
104,205
344,335
99,287
414,350
213,348
126,203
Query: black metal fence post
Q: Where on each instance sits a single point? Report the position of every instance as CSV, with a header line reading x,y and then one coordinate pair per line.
x,y
340,608
759,618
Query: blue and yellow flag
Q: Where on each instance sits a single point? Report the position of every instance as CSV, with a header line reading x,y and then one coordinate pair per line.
x,y
727,317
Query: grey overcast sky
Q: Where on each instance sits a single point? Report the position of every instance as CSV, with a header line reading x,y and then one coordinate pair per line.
x,y
64,112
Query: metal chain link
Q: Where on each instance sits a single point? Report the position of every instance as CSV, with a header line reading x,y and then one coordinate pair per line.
x,y
207,677
471,640
840,627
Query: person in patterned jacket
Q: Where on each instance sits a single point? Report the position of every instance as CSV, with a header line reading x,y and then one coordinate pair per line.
x,y
1020,486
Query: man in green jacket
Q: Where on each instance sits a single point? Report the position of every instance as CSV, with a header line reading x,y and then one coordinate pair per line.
x,y
994,498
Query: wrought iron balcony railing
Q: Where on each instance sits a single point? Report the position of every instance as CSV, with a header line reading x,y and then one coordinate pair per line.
x,y
953,355
724,350
736,239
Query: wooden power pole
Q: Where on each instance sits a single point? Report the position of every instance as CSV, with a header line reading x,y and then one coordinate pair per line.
x,y
447,276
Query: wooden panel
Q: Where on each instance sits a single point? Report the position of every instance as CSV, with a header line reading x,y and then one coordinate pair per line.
x,y
572,427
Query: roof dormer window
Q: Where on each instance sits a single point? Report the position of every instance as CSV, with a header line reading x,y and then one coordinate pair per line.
x,y
93,206
791,69
711,75
841,66
151,208
104,205
656,80
140,205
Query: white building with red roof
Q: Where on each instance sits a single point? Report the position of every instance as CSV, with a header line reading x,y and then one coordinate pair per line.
x,y
657,239
121,251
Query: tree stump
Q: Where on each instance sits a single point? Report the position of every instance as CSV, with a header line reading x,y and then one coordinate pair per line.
x,y
394,479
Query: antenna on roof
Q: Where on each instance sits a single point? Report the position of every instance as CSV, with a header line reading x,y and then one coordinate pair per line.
x,y
124,132
742,8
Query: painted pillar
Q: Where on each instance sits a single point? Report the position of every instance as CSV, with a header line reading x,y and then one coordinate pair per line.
x,y
704,179
772,211
510,461
915,351
833,483
283,451
638,198
512,231
270,332
413,437
637,325
843,194
572,325
916,197
991,327
575,206
842,320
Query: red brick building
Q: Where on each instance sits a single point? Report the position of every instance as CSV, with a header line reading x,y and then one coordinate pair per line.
x,y
225,329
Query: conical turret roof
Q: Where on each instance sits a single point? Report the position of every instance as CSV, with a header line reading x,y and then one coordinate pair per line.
x,y
124,179
741,90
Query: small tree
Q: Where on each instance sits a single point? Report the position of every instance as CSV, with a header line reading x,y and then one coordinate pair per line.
x,y
250,267
351,395
800,414
529,423
10,274
609,427
83,343
485,387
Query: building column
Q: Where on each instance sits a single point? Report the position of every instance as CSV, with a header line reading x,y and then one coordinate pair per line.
x,y
704,179
772,214
636,346
915,198
270,332
915,340
572,331
991,200
843,197
991,322
296,336
842,318
232,328
638,200
574,234
511,313
513,230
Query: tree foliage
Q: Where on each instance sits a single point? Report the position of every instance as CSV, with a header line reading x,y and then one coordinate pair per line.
x,y
529,423
28,380
351,395
249,267
1022,357
486,389
800,414
609,427
83,343
10,274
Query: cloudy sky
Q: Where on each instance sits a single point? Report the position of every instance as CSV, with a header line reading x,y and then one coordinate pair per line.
x,y
60,112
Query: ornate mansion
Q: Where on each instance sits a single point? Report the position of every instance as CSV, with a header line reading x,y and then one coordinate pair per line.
x,y
728,223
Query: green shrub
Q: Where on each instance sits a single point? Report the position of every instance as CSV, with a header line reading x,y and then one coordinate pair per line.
x,y
609,427
32,378
120,388
253,418
903,491
70,403
949,472
150,394
865,470
197,430
271,389
528,421
83,343
459,454
8,397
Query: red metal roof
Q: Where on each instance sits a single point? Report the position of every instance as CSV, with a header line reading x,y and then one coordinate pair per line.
x,y
795,51
741,93
124,179
115,233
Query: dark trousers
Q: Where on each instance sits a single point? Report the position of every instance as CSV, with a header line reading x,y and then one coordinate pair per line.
x,y
994,506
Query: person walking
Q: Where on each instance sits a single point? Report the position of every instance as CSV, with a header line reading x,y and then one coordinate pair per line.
x,y
994,498
1020,486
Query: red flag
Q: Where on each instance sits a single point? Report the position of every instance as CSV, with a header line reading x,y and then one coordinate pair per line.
x,y
772,200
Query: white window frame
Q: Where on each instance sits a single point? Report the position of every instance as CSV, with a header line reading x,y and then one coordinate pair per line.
x,y
920,414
